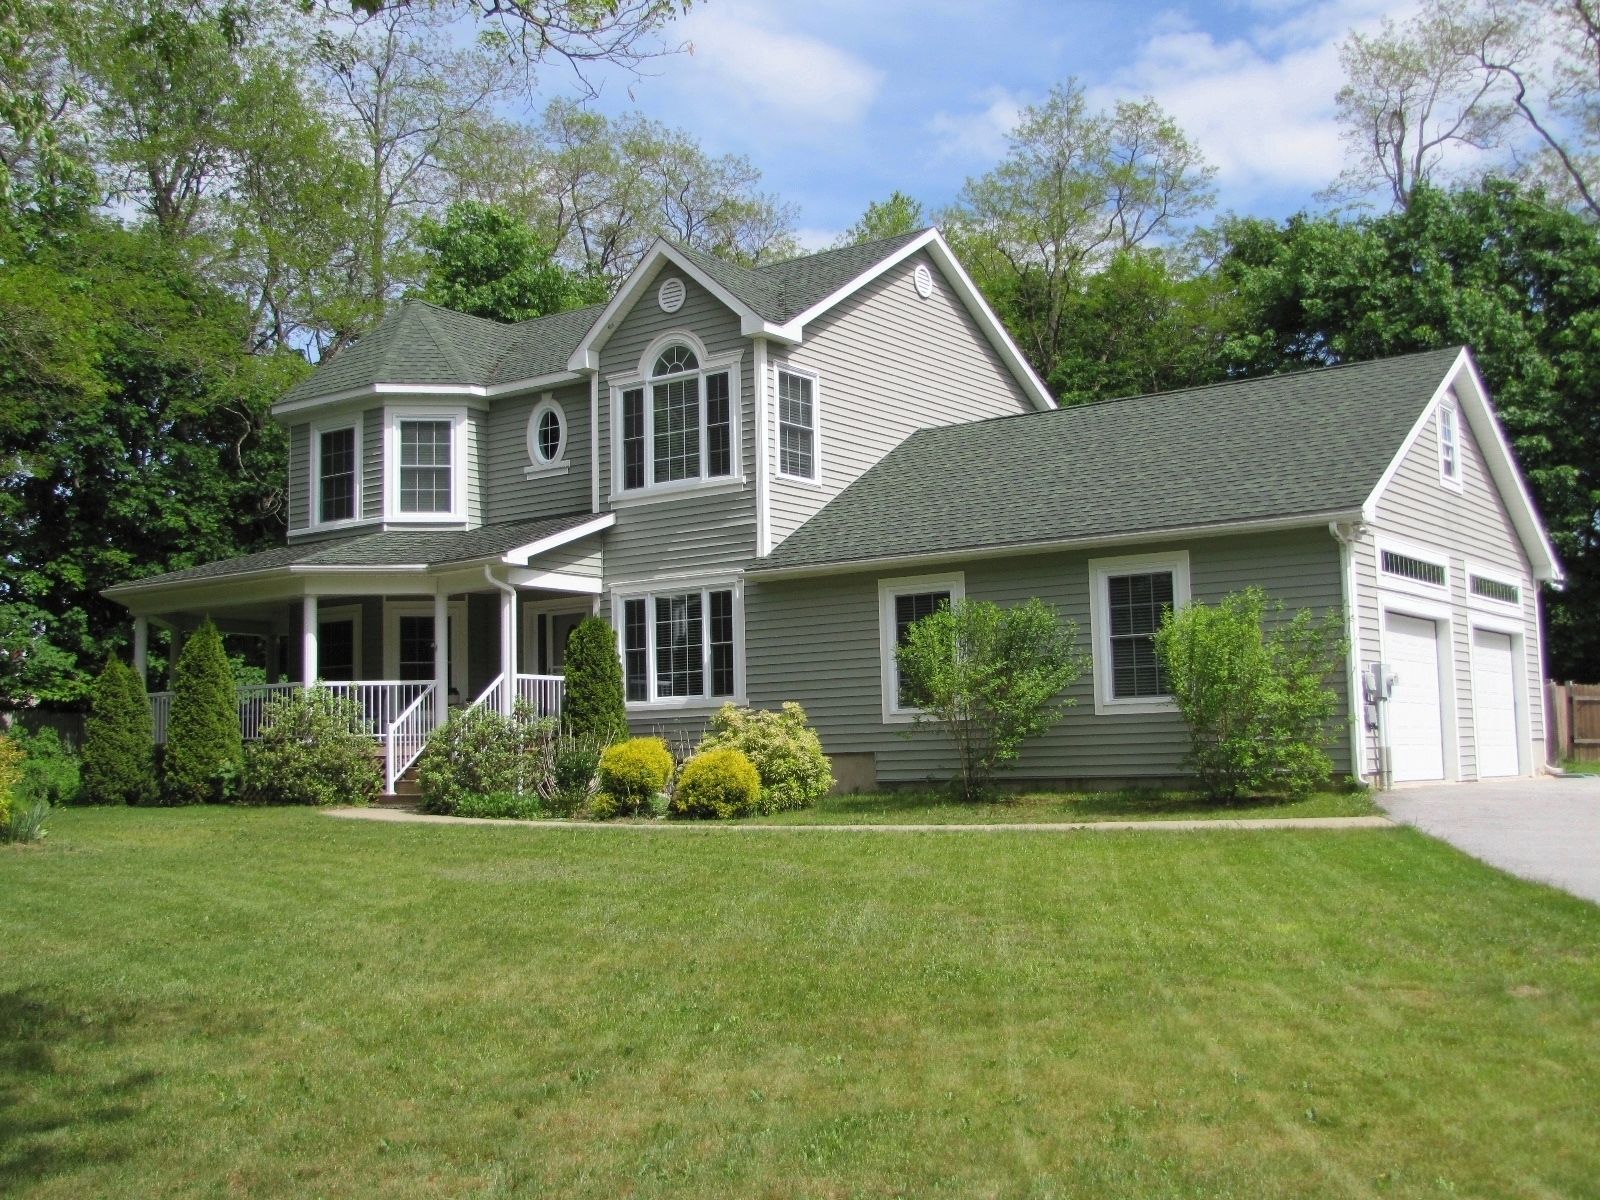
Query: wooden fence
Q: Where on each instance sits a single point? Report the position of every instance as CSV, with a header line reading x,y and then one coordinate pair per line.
x,y
1573,721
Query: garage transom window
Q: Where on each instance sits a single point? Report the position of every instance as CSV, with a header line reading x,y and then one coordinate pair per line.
x,y
1497,590
1417,570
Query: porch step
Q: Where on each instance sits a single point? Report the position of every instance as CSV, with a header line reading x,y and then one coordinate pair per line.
x,y
407,791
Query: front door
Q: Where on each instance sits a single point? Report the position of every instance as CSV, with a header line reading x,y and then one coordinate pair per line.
x,y
561,627
408,647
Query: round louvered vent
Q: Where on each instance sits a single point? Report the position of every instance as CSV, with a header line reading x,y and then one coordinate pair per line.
x,y
923,278
671,295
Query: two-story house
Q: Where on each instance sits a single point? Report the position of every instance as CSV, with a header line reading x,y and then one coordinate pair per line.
x,y
762,476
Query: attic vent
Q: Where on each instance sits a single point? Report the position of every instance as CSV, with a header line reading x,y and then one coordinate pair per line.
x,y
923,278
670,297
1418,570
1496,589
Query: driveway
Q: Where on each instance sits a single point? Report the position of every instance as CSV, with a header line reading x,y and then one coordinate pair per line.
x,y
1547,830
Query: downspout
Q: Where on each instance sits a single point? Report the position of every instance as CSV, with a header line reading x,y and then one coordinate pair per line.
x,y
508,640
1346,533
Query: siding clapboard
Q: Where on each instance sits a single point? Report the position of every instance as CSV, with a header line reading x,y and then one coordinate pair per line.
x,y
299,476
509,495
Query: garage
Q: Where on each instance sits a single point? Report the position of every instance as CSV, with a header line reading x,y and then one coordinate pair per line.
x,y
1494,703
1415,716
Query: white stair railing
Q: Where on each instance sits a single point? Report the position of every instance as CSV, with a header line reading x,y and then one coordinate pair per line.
x,y
542,693
407,736
492,696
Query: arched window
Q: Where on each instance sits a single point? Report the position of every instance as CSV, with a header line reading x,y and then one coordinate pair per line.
x,y
675,360
547,433
678,426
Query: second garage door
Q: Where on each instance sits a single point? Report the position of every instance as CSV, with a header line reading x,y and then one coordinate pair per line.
x,y
1494,703
1416,724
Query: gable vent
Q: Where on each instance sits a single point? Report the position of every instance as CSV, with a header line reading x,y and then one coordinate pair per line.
x,y
1496,589
1418,570
923,279
671,295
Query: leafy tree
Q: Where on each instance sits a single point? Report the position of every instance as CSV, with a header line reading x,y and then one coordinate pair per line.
x,y
43,164
118,739
483,261
1257,701
991,678
885,219
205,751
593,705
1075,187
1490,267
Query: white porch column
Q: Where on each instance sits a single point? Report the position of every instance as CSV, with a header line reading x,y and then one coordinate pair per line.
x,y
508,650
308,641
441,657
141,648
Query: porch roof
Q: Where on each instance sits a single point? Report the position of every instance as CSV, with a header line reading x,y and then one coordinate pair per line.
x,y
394,549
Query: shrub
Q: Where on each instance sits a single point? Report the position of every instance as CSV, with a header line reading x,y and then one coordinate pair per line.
x,y
784,749
501,806
12,759
50,772
480,752
992,678
576,765
633,772
1257,701
27,822
205,751
119,761
314,748
717,784
592,706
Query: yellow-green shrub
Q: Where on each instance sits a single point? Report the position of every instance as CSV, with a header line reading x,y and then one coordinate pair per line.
x,y
634,771
11,759
717,783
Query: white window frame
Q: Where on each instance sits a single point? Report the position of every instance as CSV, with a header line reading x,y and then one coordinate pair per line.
x,y
732,363
1411,587
318,428
780,370
540,465
393,418
677,586
1450,414
1101,570
1507,576
888,672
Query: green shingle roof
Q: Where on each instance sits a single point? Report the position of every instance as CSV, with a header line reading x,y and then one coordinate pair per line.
x,y
1300,444
387,548
422,343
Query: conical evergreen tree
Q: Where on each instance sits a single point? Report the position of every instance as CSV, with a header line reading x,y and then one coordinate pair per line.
x,y
118,764
205,750
593,704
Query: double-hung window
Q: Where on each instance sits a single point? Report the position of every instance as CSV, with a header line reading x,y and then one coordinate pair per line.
x,y
337,474
902,603
426,454
681,645
1128,600
797,426
1449,446
677,426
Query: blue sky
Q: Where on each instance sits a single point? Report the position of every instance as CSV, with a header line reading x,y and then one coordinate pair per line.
x,y
840,102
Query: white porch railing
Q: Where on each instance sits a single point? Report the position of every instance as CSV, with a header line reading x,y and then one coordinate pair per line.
x,y
542,693
408,735
253,698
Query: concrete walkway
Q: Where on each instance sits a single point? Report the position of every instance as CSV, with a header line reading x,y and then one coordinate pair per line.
x,y
1547,830
410,816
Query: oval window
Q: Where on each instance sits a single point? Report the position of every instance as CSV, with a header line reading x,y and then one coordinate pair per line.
x,y
547,433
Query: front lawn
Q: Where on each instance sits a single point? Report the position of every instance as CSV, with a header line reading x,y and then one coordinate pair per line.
x,y
274,1003
939,808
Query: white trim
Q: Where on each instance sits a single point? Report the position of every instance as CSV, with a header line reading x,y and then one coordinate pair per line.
x,y
594,443
342,612
778,370
1511,576
557,463
1520,691
888,672
392,420
555,581
1444,622
355,422
731,364
1382,543
1449,407
1101,570
1016,549
286,407
1472,401
518,556
671,586
758,369
1347,535
393,610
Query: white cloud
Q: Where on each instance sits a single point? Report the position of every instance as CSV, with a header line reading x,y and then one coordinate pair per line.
x,y
811,238
979,135
792,75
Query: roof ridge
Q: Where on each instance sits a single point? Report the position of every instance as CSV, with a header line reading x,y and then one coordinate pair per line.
x,y
441,338
900,238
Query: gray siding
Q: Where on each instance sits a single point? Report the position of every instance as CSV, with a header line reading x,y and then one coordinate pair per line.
x,y
477,423
687,532
299,476
1470,525
816,641
888,363
372,464
586,556
509,495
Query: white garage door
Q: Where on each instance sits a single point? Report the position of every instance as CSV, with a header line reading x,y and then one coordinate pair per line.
x,y
1416,726
1494,703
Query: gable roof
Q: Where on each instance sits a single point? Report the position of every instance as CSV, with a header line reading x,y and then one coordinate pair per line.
x,y
395,549
1292,449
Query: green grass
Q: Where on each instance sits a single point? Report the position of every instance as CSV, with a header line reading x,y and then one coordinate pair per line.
x,y
938,808
1574,766
275,1003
